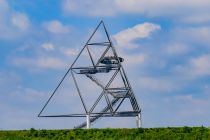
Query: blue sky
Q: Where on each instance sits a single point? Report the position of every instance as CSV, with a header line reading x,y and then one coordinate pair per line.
x,y
165,45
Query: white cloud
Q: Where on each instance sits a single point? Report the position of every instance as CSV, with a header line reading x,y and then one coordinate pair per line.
x,y
194,107
50,63
161,7
133,59
89,7
69,51
127,37
8,78
176,49
14,24
196,18
182,110
146,7
3,6
198,35
197,66
200,65
20,21
39,63
160,84
56,27
26,95
48,46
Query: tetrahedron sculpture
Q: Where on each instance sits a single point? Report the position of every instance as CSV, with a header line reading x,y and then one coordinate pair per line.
x,y
100,65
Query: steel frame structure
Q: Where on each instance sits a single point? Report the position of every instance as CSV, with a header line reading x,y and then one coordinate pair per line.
x,y
119,93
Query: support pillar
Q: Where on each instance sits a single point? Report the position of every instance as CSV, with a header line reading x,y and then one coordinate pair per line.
x,y
88,121
138,120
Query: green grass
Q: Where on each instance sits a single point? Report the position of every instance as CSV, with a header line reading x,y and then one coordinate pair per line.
x,y
170,133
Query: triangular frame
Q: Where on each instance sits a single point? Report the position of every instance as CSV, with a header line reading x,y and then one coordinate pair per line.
x,y
108,110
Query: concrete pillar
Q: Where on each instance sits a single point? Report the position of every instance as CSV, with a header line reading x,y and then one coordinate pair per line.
x,y
88,121
138,120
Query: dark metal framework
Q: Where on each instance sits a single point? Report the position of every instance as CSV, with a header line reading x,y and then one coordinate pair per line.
x,y
119,93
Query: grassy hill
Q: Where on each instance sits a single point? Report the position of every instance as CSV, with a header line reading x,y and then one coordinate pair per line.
x,y
178,133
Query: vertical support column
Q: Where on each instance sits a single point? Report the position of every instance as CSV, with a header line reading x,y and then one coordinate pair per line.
x,y
88,121
138,120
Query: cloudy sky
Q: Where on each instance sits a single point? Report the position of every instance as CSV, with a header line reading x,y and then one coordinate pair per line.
x,y
165,44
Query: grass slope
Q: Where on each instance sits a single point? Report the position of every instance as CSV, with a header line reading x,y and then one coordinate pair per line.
x,y
178,133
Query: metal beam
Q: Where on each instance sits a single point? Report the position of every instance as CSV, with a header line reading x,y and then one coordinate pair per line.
x,y
75,82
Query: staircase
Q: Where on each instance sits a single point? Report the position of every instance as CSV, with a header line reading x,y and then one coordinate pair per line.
x,y
113,103
116,95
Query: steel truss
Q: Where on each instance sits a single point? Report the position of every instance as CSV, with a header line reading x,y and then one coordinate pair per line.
x,y
112,63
